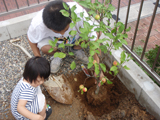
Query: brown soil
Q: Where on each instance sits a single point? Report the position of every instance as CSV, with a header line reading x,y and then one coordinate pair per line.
x,y
118,103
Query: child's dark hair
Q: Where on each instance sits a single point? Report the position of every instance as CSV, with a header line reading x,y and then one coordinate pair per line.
x,y
36,66
53,18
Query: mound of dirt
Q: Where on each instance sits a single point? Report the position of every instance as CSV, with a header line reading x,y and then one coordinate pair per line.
x,y
118,103
100,98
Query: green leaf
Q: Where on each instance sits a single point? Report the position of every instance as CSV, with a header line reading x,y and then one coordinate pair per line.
x,y
96,68
109,82
106,39
123,57
82,30
121,28
123,41
52,43
97,51
90,59
83,3
78,19
60,54
95,44
81,14
83,45
110,72
87,18
84,36
61,45
117,45
73,32
71,53
88,1
90,64
50,50
73,8
72,25
125,67
73,65
64,13
92,47
117,37
81,92
109,15
77,1
103,48
118,24
65,6
109,35
116,72
101,82
92,37
98,29
124,36
86,25
69,44
111,7
73,16
100,41
80,39
91,12
114,30
107,1
103,67
128,29
77,42
92,52
113,68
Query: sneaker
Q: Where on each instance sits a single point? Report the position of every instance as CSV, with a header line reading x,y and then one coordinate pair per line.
x,y
55,64
48,112
80,54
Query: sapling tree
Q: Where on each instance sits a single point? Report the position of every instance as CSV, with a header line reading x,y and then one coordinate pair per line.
x,y
114,39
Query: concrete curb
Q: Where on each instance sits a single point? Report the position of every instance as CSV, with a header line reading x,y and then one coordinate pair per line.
x,y
15,27
137,81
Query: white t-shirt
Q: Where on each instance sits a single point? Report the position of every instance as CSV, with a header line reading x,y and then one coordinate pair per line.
x,y
38,30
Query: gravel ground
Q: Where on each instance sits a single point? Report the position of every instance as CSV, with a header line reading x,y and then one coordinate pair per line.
x,y
12,61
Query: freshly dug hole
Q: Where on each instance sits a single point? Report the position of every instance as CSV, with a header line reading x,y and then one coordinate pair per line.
x,y
120,105
89,82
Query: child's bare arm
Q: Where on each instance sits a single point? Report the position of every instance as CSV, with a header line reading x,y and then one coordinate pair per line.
x,y
34,48
26,113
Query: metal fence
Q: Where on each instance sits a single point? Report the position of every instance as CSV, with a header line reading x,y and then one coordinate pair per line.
x,y
19,8
139,59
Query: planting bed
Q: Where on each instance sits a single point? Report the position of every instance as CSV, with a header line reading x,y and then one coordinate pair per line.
x,y
119,103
